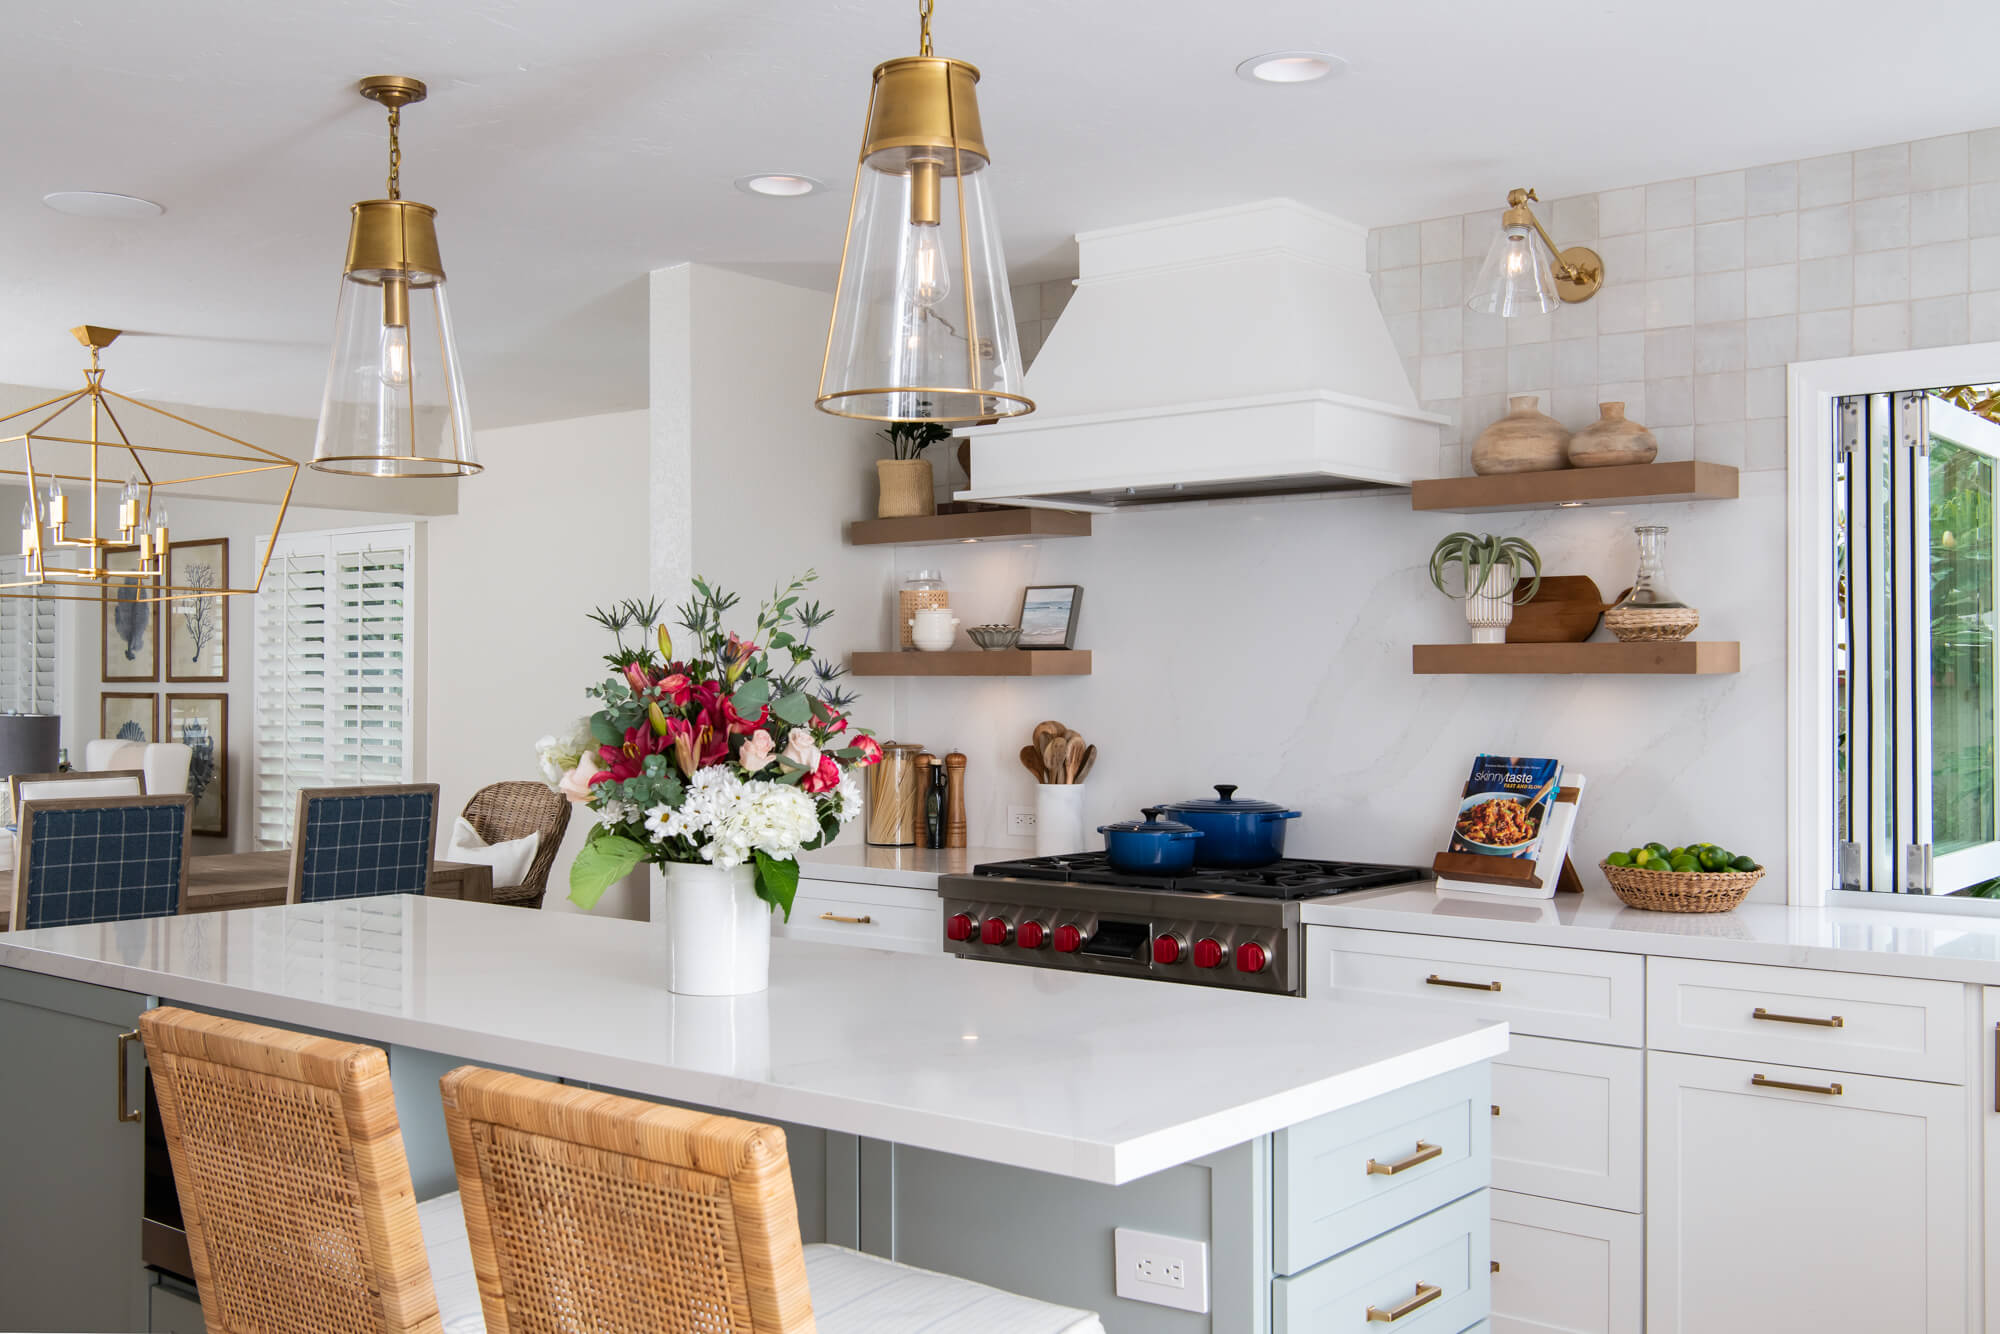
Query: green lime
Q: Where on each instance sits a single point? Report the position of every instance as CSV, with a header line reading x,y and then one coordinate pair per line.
x,y
1618,859
1656,848
1743,864
1713,860
1685,863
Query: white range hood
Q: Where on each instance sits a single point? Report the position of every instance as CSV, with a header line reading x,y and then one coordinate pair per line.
x,y
1233,353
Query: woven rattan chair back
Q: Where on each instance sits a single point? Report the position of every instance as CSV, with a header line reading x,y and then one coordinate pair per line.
x,y
588,1211
503,811
293,1185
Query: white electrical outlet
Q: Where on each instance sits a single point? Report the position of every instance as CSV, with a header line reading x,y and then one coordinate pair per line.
x,y
1021,821
1166,1271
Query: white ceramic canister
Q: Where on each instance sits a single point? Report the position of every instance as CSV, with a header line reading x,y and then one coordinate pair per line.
x,y
934,630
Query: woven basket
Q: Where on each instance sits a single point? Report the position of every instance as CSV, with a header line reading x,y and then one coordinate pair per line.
x,y
1654,625
1680,891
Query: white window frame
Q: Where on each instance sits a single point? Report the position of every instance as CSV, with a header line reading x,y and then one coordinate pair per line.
x,y
36,608
1814,387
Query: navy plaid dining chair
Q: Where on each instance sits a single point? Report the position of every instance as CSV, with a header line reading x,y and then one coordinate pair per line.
x,y
100,859
356,842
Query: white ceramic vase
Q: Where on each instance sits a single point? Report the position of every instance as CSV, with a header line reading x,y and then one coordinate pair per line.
x,y
718,931
1491,610
1059,819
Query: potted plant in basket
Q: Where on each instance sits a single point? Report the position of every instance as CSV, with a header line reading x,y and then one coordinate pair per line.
x,y
905,482
1495,573
719,767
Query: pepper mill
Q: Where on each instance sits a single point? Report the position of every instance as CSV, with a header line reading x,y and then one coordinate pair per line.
x,y
954,814
920,798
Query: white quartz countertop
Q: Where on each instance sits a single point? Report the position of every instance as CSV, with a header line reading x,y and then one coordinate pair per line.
x,y
1901,942
914,868
1102,1079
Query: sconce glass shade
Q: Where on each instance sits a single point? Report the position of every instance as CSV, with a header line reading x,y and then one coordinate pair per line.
x,y
923,323
1516,278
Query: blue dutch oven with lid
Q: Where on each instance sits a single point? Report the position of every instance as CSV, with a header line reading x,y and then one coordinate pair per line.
x,y
1235,831
1151,845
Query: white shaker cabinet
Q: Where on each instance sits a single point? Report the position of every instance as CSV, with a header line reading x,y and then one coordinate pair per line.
x,y
1986,1103
1838,1206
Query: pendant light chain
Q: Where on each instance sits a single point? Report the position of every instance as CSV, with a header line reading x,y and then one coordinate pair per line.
x,y
395,153
924,12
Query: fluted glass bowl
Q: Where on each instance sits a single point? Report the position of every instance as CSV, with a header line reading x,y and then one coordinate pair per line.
x,y
995,636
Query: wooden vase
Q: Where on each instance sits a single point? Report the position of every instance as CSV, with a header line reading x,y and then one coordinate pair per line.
x,y
1612,440
906,488
1525,440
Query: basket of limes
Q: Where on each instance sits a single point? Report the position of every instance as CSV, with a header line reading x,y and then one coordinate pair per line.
x,y
1696,877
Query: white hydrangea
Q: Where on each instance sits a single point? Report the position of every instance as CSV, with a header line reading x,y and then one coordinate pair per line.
x,y
559,753
733,820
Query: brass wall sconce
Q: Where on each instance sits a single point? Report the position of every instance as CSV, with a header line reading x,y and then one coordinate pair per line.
x,y
1518,277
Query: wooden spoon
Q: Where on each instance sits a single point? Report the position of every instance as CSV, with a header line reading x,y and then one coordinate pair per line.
x,y
1083,768
1056,755
1043,731
1031,760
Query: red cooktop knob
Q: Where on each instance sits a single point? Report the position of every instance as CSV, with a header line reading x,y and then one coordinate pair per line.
x,y
1067,939
994,931
958,926
1251,957
1031,935
1167,949
1208,953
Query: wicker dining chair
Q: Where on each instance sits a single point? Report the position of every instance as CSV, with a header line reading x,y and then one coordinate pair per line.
x,y
590,1211
503,811
293,1184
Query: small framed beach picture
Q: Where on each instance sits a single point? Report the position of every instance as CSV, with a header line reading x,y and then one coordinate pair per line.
x,y
128,717
1048,615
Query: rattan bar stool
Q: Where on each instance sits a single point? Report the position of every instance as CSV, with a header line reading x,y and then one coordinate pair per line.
x,y
293,1185
588,1211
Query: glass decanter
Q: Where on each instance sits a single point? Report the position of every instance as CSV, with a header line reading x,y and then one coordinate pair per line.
x,y
1649,588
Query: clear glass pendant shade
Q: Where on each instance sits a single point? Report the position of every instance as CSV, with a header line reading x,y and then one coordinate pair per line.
x,y
923,324
395,400
1517,278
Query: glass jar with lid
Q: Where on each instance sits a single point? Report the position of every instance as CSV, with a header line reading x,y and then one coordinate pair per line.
x,y
922,590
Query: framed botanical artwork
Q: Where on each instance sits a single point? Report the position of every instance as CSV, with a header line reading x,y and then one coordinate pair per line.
x,y
196,629
201,723
131,627
1048,615
128,717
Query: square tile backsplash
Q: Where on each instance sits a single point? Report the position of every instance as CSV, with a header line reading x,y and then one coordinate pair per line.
x,y
1712,284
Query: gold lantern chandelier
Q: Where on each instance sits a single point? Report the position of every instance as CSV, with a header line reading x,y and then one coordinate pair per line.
x,y
395,399
82,542
923,325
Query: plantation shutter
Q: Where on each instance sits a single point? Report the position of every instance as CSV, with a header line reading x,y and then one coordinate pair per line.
x,y
333,703
27,648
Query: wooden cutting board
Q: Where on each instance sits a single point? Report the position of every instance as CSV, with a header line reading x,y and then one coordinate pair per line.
x,y
1564,610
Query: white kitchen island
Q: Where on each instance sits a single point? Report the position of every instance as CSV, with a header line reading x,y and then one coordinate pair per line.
x,y
997,1122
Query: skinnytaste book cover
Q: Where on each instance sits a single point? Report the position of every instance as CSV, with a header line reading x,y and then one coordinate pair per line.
x,y
1504,805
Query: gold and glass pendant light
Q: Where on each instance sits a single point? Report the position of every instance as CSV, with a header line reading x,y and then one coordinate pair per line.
x,y
1520,277
923,325
94,526
395,397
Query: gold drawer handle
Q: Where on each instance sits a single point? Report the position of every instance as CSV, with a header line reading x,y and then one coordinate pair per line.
x,y
124,1095
1426,1294
1435,981
1496,1109
1831,1090
1761,1013
863,920
1425,1152
1492,1266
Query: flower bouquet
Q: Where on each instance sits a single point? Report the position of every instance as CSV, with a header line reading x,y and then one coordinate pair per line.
x,y
735,757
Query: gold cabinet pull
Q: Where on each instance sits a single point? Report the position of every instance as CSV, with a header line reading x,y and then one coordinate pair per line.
x,y
1831,1090
1761,1013
1435,981
1496,1109
863,920
123,1093
1426,1294
1425,1152
1492,1266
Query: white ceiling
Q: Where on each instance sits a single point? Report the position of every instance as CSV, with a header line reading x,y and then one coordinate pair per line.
x,y
573,145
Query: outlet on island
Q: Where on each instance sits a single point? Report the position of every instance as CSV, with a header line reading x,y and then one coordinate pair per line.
x,y
1166,1271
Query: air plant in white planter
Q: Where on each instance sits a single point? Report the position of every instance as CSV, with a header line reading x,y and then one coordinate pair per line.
x,y
1495,573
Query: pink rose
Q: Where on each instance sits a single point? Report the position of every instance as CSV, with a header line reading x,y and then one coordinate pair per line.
x,y
576,783
800,750
757,752
825,778
871,753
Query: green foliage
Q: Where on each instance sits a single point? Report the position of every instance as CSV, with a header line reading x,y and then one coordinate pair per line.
x,y
606,859
777,882
909,440
1478,555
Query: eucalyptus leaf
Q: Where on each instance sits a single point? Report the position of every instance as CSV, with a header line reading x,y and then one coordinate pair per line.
x,y
751,696
793,708
604,730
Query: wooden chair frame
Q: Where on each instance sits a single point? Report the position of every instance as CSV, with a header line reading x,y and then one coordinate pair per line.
x,y
17,918
14,782
308,795
274,1065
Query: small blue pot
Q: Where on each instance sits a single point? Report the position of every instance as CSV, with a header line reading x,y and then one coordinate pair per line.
x,y
1236,831
1151,846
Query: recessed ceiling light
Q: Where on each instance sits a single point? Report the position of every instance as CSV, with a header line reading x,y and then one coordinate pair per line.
x,y
785,185
98,204
1290,66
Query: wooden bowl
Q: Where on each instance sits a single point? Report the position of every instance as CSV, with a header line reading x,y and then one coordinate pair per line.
x,y
1564,610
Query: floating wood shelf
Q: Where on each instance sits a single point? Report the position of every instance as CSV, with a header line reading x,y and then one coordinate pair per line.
x,y
1687,657
988,525
975,662
1568,488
